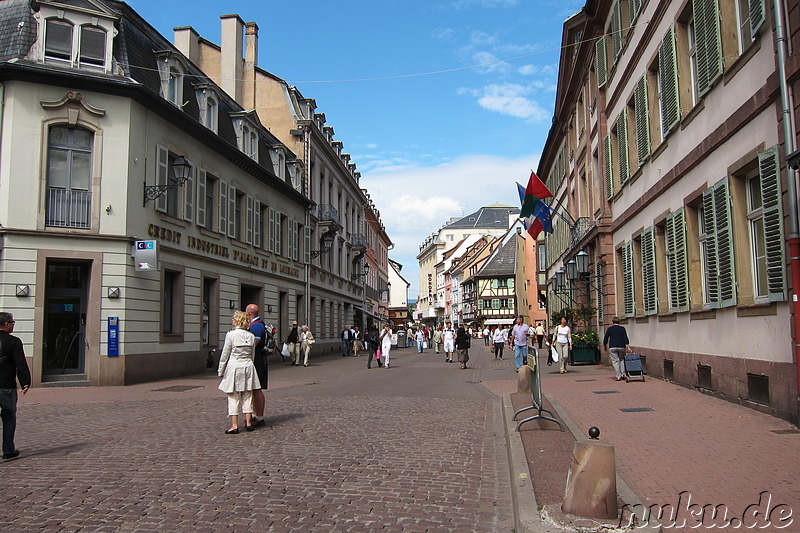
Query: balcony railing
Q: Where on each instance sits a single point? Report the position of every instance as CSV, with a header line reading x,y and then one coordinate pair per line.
x,y
582,226
359,241
68,208
328,213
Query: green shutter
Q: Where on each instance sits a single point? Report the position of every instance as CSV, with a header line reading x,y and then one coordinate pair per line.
x,y
601,63
607,165
649,285
627,280
616,30
768,169
757,16
725,249
622,147
711,258
677,267
642,112
635,7
668,81
708,42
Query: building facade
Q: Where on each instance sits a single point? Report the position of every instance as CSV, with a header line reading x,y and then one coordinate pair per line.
x,y
667,154
120,146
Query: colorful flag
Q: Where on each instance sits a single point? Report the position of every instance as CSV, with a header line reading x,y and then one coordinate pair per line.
x,y
535,228
534,193
544,214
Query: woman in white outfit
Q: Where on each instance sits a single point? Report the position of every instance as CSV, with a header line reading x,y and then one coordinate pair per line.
x,y
238,372
386,344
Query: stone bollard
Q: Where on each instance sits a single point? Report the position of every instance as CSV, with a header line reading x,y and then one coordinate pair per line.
x,y
591,490
524,380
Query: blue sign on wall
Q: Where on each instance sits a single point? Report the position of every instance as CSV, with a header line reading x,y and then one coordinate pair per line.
x,y
113,336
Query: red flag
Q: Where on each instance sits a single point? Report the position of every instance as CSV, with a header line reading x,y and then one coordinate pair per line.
x,y
536,228
535,191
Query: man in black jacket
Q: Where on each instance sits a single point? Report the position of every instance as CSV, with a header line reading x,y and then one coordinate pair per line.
x,y
12,367
616,341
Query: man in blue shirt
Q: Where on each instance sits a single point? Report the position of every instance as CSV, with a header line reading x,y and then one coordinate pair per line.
x,y
259,331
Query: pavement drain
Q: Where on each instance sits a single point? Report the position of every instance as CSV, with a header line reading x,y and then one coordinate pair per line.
x,y
580,380
635,409
786,431
177,388
605,391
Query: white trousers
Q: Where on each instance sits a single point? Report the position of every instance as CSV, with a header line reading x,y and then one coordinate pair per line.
x,y
385,354
243,399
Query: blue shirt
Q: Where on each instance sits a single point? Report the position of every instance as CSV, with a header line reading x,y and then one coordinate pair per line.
x,y
259,330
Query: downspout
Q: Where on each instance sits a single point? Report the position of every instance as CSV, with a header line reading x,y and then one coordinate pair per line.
x,y
789,147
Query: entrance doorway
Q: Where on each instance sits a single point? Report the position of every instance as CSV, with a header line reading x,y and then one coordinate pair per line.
x,y
65,318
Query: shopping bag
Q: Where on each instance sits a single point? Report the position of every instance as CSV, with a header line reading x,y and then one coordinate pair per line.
x,y
554,354
378,353
424,345
285,350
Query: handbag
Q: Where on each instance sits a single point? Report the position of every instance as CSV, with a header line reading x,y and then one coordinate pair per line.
x,y
554,354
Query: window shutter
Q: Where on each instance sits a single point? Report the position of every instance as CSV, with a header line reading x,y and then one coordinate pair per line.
x,y
649,296
708,42
712,260
162,176
58,40
668,81
307,245
248,229
725,250
601,62
642,119
635,7
616,30
622,147
93,46
257,224
768,169
627,280
201,197
607,165
677,268
188,196
296,239
757,16
222,208
232,212
271,237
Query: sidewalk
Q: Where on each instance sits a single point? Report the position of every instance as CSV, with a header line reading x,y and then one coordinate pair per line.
x,y
678,447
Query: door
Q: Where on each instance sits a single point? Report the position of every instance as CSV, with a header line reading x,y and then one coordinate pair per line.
x,y
65,318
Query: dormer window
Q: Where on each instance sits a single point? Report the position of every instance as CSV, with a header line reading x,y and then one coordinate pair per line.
x,y
246,126
76,39
93,47
208,103
58,41
171,73
278,158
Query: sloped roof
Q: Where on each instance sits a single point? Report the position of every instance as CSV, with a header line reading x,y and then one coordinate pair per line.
x,y
493,216
502,263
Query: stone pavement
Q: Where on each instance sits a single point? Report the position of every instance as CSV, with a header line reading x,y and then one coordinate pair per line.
x,y
675,446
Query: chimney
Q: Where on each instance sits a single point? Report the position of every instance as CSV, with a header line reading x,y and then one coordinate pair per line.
x,y
251,45
231,62
185,40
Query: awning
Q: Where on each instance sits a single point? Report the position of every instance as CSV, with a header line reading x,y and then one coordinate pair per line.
x,y
498,321
376,317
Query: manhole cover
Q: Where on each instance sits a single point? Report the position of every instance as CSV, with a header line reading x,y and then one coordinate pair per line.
x,y
786,431
177,388
606,391
636,410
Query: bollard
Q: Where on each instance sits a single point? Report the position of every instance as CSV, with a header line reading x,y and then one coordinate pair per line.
x,y
591,490
524,380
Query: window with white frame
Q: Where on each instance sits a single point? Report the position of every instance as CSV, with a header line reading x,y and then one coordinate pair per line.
x,y
92,47
82,46
170,71
69,177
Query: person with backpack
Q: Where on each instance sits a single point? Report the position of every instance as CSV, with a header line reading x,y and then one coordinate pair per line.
x,y
259,331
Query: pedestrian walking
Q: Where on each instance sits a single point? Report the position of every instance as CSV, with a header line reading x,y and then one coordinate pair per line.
x,y
13,368
420,338
519,337
563,343
238,372
293,340
259,331
437,338
386,344
463,341
306,342
616,341
409,336
357,340
539,333
347,341
500,339
486,336
449,341
373,347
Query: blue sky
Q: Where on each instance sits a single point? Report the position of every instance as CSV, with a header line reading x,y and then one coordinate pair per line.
x,y
417,91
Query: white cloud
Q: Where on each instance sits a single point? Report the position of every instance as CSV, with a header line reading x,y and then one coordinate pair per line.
x,y
509,99
416,201
443,34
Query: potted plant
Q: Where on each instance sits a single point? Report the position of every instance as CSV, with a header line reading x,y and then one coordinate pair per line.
x,y
585,347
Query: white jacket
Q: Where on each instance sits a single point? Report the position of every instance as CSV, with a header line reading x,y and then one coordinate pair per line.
x,y
236,362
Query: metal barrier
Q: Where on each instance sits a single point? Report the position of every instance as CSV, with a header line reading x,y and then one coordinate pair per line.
x,y
536,393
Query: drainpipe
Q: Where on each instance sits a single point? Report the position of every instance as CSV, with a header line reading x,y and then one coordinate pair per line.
x,y
789,147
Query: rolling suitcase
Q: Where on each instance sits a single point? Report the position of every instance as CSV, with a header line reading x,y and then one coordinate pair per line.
x,y
633,367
